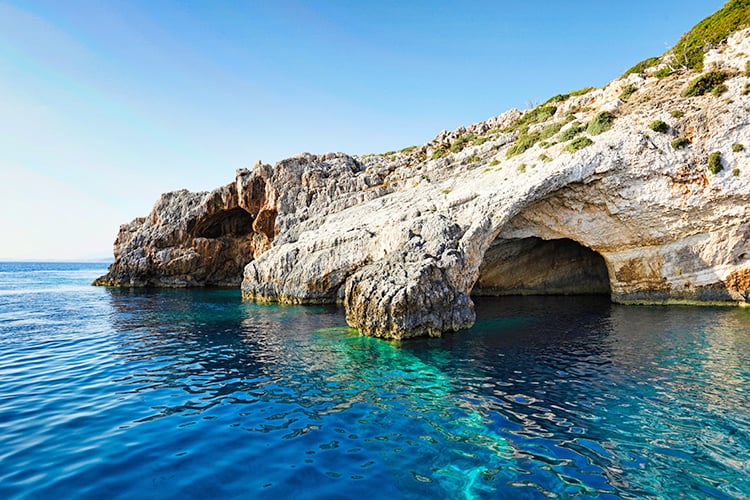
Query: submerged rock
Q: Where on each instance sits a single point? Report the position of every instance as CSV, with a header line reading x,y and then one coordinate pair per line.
x,y
559,199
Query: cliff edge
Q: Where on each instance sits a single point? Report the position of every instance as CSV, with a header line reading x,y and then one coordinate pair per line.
x,y
639,189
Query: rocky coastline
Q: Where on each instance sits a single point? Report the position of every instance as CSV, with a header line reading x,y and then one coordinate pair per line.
x,y
639,189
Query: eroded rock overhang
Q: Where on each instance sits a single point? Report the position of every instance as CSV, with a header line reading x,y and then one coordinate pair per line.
x,y
404,239
406,262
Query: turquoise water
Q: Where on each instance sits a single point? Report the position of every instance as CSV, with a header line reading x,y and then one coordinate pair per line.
x,y
196,394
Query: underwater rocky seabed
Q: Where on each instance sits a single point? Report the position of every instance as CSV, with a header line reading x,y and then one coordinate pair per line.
x,y
194,393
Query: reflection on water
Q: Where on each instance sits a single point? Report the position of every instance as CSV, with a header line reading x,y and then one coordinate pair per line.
x,y
196,393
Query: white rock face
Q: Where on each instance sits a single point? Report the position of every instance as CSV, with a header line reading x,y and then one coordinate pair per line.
x,y
401,238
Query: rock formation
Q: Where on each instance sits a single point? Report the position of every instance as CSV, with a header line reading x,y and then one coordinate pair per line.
x,y
608,190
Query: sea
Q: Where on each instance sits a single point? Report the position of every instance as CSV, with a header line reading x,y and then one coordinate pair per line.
x,y
140,393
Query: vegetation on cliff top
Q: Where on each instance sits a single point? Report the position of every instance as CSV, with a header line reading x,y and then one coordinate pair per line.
x,y
689,50
707,34
688,53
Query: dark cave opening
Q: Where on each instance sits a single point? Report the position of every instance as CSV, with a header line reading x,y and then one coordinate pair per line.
x,y
533,266
234,222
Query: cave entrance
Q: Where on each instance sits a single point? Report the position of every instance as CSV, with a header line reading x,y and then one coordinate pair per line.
x,y
234,222
533,266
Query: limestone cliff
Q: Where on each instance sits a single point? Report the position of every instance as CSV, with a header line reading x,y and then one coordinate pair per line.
x,y
640,189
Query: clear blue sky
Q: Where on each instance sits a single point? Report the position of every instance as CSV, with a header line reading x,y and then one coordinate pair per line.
x,y
106,104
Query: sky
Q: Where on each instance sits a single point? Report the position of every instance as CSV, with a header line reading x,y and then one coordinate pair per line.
x,y
106,105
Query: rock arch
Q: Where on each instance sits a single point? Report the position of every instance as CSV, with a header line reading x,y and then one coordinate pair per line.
x,y
535,266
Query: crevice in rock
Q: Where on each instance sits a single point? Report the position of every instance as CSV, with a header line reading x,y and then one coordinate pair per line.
x,y
533,266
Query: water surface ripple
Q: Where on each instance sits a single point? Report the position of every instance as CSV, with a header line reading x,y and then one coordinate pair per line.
x,y
194,393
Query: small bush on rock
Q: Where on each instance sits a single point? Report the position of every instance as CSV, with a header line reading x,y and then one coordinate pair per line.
x,y
583,91
439,153
643,66
523,143
737,147
627,92
536,115
680,142
572,131
661,74
659,126
551,130
601,123
578,144
718,90
714,162
705,83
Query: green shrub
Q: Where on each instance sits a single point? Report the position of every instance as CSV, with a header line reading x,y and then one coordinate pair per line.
x,y
659,126
461,143
627,92
747,68
746,90
494,162
705,83
680,142
527,139
737,147
558,98
521,168
643,66
545,158
550,130
662,73
439,153
714,162
601,123
570,132
578,144
473,159
718,90
677,113
736,172
524,142
478,141
710,32
583,91
536,115
572,93
408,149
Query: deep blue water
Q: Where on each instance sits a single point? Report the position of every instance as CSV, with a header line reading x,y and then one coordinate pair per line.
x,y
196,394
